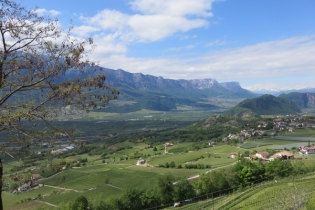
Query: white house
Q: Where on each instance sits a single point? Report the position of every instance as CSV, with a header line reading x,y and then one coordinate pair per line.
x,y
307,150
25,187
233,155
140,162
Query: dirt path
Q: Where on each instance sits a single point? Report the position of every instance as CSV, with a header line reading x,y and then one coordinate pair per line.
x,y
50,204
197,176
41,179
114,186
61,188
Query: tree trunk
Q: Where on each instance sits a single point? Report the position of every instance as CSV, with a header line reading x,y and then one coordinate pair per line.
x,y
1,181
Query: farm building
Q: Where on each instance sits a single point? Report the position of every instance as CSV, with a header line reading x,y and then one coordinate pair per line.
x,y
233,155
284,155
212,143
140,162
168,144
307,150
35,177
25,187
262,155
70,147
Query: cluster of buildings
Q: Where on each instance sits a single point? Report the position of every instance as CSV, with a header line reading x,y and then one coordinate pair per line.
x,y
291,124
244,134
168,144
30,184
284,155
264,155
307,150
278,124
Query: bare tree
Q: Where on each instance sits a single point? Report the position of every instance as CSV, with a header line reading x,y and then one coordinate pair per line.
x,y
35,58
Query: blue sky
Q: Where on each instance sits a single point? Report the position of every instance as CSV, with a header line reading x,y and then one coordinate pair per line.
x,y
263,44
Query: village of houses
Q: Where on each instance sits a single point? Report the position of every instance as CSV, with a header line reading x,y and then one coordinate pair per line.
x,y
278,125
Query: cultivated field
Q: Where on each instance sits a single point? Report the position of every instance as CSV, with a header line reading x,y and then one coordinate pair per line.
x,y
103,177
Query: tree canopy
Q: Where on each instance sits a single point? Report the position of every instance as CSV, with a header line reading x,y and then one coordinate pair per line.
x,y
36,58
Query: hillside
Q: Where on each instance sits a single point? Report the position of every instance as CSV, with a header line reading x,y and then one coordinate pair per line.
x,y
302,100
285,194
263,105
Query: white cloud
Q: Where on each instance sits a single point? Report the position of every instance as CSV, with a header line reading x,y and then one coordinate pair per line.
x,y
108,20
154,20
176,49
107,47
156,27
216,43
54,12
293,56
83,31
42,11
179,8
280,59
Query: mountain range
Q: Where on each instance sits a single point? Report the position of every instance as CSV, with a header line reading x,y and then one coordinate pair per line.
x,y
139,91
149,83
302,100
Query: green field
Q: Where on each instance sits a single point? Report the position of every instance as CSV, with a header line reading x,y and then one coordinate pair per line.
x,y
295,138
249,145
109,175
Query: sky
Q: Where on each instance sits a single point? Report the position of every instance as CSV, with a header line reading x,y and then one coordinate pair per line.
x,y
262,44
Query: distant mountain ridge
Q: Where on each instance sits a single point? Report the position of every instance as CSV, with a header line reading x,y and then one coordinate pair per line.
x,y
141,91
264,105
303,100
140,81
279,92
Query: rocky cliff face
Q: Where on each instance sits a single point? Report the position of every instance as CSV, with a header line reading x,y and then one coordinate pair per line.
x,y
141,81
310,100
197,88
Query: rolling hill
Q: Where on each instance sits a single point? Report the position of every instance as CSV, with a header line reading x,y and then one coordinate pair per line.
x,y
263,105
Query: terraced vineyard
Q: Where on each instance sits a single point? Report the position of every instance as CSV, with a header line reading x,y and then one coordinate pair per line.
x,y
267,195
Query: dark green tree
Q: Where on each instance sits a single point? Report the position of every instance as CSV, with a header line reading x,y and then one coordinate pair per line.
x,y
172,164
131,199
149,199
166,188
80,203
204,184
183,190
278,169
